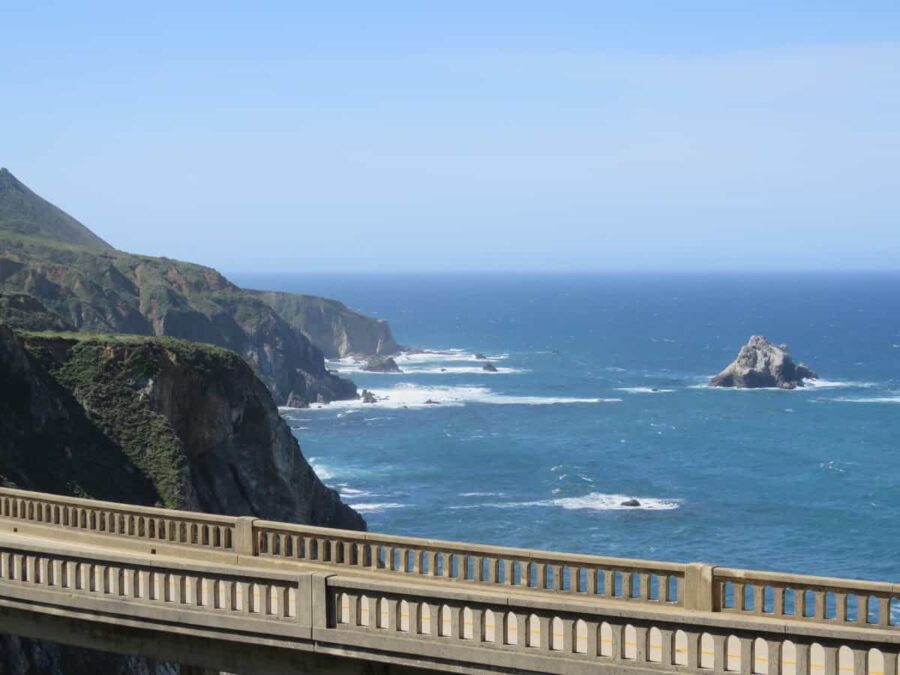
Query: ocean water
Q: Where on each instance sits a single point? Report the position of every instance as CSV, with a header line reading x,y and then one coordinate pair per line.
x,y
601,396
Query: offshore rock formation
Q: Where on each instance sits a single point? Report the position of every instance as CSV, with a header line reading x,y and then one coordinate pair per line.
x,y
381,364
331,326
762,364
79,278
152,421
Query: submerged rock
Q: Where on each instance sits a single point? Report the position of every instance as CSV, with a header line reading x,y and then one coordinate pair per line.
x,y
481,357
489,367
630,502
381,364
761,364
432,402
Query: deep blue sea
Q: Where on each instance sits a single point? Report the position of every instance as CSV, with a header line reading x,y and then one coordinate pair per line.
x,y
601,396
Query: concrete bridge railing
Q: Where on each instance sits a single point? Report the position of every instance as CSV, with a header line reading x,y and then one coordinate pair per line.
x,y
435,604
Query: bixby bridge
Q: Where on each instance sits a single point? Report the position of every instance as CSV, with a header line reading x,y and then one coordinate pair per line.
x,y
250,596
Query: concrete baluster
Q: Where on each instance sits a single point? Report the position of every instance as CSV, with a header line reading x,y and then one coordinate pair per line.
x,y
860,661
666,647
830,665
802,649
890,661
775,656
884,611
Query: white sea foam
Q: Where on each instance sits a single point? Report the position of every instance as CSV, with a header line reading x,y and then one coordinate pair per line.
x,y
435,362
409,395
321,470
376,507
836,384
597,501
594,501
481,494
871,399
357,368
644,390
352,493
808,385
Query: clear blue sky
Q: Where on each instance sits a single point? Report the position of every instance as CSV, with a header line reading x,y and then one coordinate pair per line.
x,y
306,136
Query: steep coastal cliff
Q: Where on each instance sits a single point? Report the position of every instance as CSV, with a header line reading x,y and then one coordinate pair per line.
x,y
331,326
148,421
82,282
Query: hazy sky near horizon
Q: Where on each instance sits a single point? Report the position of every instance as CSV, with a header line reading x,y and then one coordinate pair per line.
x,y
590,136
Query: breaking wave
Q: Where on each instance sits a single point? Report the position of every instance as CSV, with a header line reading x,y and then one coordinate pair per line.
x,y
409,395
594,501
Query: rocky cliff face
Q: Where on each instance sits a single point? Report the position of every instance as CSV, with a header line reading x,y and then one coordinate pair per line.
x,y
109,291
88,285
331,326
147,421
761,364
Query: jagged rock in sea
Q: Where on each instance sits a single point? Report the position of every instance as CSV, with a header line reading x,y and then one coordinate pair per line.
x,y
489,367
90,286
761,364
368,397
151,421
631,503
381,364
480,357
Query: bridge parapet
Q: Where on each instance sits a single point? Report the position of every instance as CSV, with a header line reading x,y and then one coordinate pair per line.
x,y
643,581
446,603
120,520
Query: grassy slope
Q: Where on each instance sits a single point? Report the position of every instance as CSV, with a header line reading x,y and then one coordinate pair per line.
x,y
24,212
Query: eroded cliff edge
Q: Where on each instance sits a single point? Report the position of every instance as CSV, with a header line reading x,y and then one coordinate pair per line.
x,y
331,326
148,421
49,258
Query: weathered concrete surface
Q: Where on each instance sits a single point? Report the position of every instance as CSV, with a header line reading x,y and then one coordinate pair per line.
x,y
126,576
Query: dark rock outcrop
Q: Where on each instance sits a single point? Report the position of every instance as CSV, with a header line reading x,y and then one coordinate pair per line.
x,y
381,364
489,367
368,397
631,503
760,364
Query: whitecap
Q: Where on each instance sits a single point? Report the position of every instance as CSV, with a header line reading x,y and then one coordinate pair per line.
x,y
597,501
644,390
594,501
410,395
352,493
872,399
481,494
837,384
322,471
808,384
438,362
376,507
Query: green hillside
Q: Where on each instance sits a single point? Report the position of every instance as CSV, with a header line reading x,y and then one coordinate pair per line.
x,y
23,212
